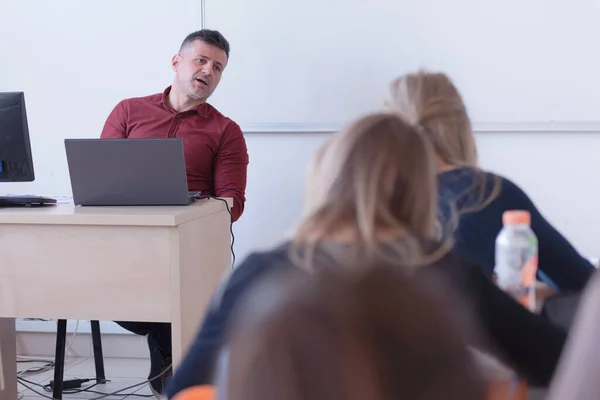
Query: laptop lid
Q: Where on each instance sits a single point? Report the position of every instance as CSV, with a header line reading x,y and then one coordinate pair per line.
x,y
132,172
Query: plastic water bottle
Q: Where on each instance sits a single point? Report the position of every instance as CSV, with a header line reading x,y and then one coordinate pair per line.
x,y
517,257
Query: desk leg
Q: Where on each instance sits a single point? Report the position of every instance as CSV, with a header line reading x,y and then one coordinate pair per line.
x,y
8,359
202,257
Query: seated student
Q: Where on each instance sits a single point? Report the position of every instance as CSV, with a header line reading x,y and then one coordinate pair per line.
x,y
299,336
372,195
432,103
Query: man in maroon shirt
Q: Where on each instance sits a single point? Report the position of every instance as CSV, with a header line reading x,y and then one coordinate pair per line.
x,y
215,150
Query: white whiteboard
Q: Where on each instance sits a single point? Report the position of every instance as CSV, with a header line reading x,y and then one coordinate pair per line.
x,y
310,64
75,59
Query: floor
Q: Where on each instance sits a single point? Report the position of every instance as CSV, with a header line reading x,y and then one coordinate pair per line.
x,y
121,373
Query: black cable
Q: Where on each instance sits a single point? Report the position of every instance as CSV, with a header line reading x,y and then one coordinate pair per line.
x,y
204,196
49,388
21,380
118,394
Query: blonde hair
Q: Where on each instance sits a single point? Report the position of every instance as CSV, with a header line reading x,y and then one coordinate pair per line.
x,y
431,102
377,176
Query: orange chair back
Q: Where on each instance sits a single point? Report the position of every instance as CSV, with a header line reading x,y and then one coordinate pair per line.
x,y
507,390
197,393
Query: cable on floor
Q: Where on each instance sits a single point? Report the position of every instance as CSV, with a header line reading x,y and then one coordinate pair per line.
x,y
26,384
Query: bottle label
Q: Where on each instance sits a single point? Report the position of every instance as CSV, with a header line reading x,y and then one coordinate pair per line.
x,y
528,278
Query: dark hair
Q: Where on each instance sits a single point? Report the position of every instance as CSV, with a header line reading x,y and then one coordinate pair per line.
x,y
214,38
348,335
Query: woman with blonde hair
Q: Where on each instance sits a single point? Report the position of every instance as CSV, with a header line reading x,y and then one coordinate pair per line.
x,y
371,199
432,104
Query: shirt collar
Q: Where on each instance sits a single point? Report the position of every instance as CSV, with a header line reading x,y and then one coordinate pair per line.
x,y
200,109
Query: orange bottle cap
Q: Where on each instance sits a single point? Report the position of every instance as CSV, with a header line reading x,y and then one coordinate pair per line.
x,y
516,217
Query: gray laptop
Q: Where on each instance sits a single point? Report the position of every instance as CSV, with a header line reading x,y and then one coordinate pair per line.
x,y
128,172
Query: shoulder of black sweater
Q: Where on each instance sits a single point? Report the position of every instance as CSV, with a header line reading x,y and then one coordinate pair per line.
x,y
258,264
443,258
255,265
459,181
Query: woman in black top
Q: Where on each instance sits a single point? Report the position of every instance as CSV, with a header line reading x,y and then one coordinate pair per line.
x,y
470,197
372,194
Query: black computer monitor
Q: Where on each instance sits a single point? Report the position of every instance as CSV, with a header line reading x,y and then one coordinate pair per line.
x,y
16,162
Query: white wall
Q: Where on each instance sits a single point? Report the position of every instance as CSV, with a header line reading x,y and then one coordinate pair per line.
x,y
514,60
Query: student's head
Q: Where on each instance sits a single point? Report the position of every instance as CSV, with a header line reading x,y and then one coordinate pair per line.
x,y
432,103
351,335
198,65
374,178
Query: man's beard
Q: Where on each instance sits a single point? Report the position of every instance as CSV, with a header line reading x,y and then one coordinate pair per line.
x,y
187,87
192,92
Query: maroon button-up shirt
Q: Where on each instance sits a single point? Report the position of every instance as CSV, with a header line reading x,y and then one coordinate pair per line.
x,y
215,150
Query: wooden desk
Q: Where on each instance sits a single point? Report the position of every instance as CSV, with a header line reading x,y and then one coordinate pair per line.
x,y
158,264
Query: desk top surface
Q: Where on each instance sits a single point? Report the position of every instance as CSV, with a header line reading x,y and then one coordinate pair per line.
x,y
69,214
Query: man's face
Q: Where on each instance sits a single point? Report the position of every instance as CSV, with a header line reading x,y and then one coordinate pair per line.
x,y
198,68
